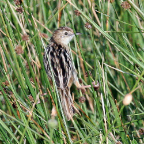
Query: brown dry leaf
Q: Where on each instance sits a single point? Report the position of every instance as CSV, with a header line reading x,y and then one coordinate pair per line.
x,y
25,37
19,49
125,5
88,26
77,13
82,99
31,98
19,9
18,2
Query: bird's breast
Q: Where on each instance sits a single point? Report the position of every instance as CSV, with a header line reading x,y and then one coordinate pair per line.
x,y
61,65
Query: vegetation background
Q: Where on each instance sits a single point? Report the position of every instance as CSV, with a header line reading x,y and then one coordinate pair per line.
x,y
110,52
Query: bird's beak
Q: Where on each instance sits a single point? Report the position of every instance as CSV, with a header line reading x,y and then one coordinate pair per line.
x,y
78,33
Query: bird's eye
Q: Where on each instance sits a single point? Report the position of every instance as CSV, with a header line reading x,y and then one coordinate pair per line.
x,y
66,33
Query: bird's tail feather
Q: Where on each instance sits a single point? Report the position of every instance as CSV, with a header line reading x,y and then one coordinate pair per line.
x,y
67,103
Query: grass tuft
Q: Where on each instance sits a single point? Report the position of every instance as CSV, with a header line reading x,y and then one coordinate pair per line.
x,y
109,51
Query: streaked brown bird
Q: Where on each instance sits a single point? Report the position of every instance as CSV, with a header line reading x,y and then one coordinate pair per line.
x,y
58,52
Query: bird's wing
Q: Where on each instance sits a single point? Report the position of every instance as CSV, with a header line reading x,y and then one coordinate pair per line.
x,y
61,65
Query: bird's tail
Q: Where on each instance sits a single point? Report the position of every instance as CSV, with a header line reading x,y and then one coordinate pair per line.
x,y
67,103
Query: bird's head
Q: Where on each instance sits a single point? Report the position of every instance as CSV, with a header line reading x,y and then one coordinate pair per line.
x,y
63,35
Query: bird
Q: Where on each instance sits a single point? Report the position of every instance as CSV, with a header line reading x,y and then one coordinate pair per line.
x,y
57,54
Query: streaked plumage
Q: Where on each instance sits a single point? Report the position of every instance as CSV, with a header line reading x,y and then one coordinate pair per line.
x,y
62,66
